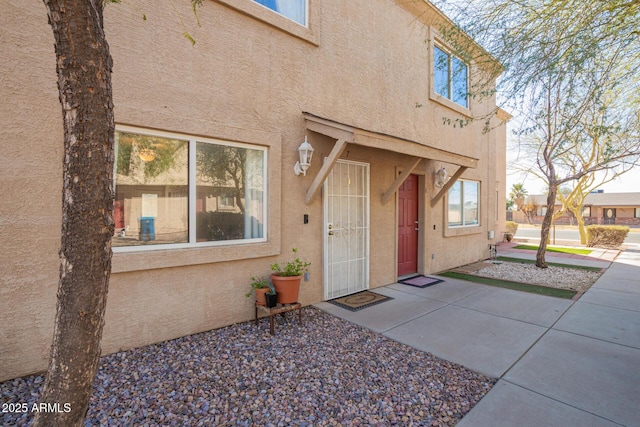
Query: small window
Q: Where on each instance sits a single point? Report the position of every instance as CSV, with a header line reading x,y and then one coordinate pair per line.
x,y
586,211
296,10
450,76
173,190
464,203
637,212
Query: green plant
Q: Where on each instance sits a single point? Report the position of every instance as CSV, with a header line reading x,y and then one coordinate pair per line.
x,y
258,283
512,227
291,268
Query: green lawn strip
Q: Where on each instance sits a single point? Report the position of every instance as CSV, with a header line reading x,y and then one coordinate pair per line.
x,y
574,251
554,264
540,290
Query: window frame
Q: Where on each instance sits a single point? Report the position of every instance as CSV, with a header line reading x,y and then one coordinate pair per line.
x,y
451,74
309,32
436,40
192,192
306,13
463,225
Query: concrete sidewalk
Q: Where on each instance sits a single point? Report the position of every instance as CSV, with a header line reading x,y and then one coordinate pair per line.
x,y
559,362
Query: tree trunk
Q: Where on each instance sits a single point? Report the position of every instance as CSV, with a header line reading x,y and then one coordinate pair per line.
x,y
84,84
546,227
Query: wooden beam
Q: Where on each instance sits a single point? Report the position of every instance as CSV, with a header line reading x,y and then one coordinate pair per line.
x,y
331,160
325,127
411,148
400,179
448,185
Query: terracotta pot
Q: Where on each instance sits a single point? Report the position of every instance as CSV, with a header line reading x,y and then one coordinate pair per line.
x,y
260,298
287,288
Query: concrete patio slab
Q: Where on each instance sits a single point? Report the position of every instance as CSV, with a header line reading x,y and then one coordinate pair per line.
x,y
523,306
625,300
621,284
389,314
510,405
589,374
451,290
483,342
560,363
611,324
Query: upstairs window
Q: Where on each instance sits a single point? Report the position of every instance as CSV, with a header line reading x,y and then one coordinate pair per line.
x,y
296,10
450,77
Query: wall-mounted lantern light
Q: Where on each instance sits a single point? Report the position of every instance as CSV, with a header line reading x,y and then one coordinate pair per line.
x,y
306,152
440,178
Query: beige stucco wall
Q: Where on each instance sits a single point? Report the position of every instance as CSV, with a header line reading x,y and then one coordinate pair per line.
x,y
363,62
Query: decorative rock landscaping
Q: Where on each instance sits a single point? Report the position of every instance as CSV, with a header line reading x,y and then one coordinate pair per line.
x,y
576,279
324,372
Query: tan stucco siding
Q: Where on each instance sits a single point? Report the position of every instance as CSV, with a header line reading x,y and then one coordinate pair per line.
x,y
364,62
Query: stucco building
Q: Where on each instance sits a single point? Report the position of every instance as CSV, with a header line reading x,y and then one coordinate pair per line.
x,y
207,139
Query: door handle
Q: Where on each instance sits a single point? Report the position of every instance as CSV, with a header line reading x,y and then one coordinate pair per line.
x,y
417,227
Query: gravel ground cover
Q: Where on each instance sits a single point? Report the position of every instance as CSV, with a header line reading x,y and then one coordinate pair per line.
x,y
325,372
575,279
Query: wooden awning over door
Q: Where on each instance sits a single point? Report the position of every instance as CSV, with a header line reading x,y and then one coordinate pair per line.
x,y
345,134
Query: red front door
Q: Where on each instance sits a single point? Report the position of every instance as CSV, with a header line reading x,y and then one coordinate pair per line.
x,y
407,226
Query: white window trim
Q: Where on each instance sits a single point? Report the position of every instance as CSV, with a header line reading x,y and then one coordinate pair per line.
x,y
192,193
309,33
306,13
478,224
437,41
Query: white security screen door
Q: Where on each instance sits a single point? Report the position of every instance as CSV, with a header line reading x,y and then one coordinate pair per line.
x,y
346,229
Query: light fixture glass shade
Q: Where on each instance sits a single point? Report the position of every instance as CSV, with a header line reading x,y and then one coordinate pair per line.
x,y
441,178
305,151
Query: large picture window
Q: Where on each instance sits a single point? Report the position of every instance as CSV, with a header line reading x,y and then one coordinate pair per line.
x,y
296,10
450,77
464,204
173,190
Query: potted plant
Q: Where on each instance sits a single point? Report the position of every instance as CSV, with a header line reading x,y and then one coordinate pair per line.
x,y
286,278
261,286
271,296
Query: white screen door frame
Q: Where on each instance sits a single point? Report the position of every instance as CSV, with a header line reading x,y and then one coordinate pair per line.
x,y
346,229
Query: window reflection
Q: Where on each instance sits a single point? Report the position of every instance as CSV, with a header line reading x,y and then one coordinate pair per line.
x,y
151,205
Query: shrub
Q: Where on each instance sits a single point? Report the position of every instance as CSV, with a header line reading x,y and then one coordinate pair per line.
x,y
512,227
606,235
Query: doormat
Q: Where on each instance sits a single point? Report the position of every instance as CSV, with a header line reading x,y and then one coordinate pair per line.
x,y
360,300
420,281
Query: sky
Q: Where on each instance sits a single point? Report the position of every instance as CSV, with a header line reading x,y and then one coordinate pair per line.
x,y
628,182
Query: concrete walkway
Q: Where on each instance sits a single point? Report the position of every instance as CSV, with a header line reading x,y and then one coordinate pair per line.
x,y
559,362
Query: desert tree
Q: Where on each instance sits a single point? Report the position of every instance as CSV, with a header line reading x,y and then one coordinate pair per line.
x,y
562,59
83,67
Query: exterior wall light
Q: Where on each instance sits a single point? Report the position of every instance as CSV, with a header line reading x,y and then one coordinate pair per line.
x,y
440,178
306,152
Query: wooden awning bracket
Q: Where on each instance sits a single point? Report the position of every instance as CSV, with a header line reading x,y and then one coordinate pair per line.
x,y
445,188
322,174
400,179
